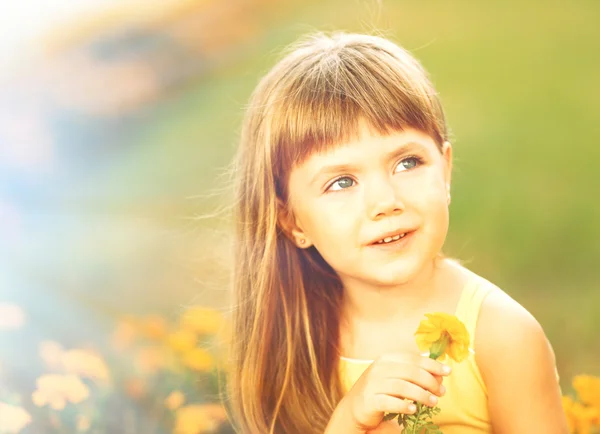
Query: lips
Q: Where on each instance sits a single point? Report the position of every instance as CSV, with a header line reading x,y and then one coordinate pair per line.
x,y
395,244
391,237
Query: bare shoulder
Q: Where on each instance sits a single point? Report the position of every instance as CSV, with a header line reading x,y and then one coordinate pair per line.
x,y
504,325
505,328
515,359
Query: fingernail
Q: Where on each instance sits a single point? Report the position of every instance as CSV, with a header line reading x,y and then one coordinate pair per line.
x,y
442,389
446,369
433,399
412,408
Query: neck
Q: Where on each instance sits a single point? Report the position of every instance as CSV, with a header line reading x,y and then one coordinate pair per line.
x,y
365,302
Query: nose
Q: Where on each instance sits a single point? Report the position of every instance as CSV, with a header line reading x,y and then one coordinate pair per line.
x,y
382,198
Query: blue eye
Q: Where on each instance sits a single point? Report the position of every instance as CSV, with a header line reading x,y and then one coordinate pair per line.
x,y
408,163
341,183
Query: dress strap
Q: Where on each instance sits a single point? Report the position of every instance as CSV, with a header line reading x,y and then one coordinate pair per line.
x,y
473,294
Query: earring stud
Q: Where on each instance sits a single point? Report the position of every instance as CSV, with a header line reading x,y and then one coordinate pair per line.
x,y
302,241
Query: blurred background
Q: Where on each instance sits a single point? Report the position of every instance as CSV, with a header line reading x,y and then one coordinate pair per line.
x,y
118,120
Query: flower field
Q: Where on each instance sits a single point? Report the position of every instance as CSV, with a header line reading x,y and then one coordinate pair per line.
x,y
152,376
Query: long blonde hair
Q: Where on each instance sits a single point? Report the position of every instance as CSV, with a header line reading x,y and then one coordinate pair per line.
x,y
285,346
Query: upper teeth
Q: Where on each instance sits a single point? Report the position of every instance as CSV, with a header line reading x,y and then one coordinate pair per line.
x,y
390,239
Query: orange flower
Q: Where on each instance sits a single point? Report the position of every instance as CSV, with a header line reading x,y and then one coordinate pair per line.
x,y
85,364
199,419
124,334
443,335
83,423
151,359
56,390
13,418
182,340
202,320
198,359
154,327
174,400
135,388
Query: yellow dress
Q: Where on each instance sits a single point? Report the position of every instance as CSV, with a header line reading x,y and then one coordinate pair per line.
x,y
464,407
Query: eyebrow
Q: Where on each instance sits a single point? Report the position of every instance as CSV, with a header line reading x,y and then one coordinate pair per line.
x,y
404,149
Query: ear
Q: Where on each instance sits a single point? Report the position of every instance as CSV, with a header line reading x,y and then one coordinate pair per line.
x,y
290,226
447,157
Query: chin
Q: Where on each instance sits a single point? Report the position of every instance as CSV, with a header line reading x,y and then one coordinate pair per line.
x,y
399,273
393,279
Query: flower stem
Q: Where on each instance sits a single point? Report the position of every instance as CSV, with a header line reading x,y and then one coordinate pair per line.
x,y
415,425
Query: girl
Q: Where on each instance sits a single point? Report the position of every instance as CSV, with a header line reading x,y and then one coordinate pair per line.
x,y
342,194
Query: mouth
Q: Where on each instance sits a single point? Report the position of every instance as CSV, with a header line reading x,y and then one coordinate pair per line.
x,y
392,238
388,240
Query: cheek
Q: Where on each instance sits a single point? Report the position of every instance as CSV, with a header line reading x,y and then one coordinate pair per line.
x,y
429,197
330,226
428,192
333,230
438,218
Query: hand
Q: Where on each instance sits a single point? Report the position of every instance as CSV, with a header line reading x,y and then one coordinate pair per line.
x,y
389,427
389,385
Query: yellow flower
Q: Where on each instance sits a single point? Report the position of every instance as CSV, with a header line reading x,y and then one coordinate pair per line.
x,y
443,335
13,418
199,419
51,353
588,389
202,320
85,364
182,340
567,404
174,400
56,390
198,359
580,418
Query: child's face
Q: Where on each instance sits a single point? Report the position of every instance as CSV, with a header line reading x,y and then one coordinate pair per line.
x,y
347,199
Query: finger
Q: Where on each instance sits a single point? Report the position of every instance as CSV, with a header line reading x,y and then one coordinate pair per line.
x,y
439,379
391,404
429,381
412,374
432,366
408,390
441,388
389,427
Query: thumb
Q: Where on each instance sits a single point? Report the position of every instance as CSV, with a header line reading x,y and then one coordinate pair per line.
x,y
388,427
